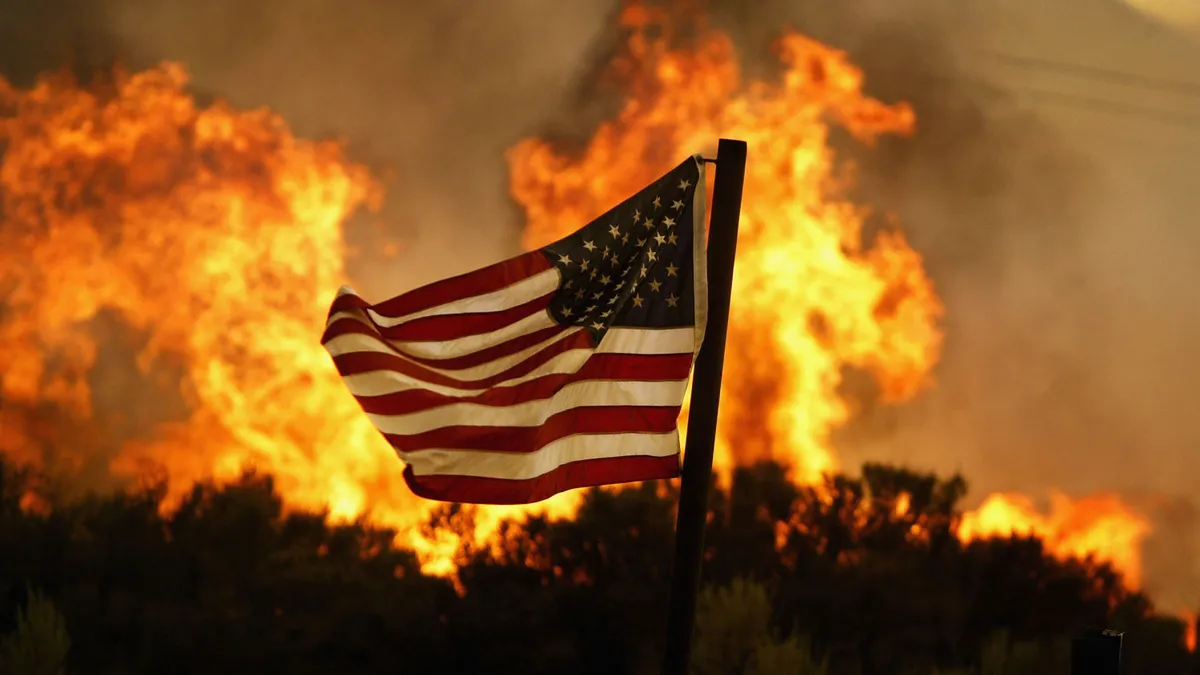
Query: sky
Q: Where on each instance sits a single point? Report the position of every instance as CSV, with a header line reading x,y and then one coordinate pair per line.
x,y
1057,213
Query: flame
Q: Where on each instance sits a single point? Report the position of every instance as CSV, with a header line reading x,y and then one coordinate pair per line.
x,y
1191,626
217,237
213,234
214,237
812,297
1099,525
861,306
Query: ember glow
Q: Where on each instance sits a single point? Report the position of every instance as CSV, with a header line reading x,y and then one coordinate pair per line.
x,y
216,238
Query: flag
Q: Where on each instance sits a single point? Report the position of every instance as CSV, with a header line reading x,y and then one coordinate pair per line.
x,y
561,368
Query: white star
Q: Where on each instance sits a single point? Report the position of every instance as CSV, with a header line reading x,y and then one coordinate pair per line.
x,y
637,301
564,259
641,242
606,280
671,270
579,294
684,184
660,239
613,300
672,300
636,215
655,285
619,286
651,255
671,239
669,222
590,309
614,231
677,205
598,326
649,223
589,246
643,274
625,239
605,314
657,203
583,264
596,296
567,311
592,274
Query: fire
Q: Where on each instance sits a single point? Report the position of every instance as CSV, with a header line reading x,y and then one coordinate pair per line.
x,y
813,296
1100,525
214,238
811,299
1191,623
213,234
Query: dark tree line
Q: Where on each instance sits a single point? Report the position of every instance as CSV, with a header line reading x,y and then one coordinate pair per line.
x,y
230,582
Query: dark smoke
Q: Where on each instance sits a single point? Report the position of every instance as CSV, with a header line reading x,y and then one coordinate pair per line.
x,y
1062,238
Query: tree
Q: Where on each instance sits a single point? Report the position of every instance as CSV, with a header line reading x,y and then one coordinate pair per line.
x,y
39,644
734,636
861,575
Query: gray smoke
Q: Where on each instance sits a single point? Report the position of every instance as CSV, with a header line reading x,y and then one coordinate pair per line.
x,y
1060,232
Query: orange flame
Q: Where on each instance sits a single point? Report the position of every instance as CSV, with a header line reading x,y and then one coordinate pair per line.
x,y
216,237
810,298
1101,526
1191,626
212,232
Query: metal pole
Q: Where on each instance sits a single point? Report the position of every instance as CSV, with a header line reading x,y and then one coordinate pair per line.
x,y
706,399
1096,652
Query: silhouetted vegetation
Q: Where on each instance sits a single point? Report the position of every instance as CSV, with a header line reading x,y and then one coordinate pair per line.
x,y
800,581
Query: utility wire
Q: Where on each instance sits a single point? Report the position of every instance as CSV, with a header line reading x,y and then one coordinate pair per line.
x,y
1177,118
1100,74
1092,103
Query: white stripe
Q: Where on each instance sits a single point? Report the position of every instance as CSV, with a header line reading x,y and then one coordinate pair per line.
x,y
381,382
647,341
352,343
616,341
590,393
447,349
699,256
519,293
523,466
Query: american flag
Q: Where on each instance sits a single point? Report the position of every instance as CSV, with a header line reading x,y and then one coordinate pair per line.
x,y
561,368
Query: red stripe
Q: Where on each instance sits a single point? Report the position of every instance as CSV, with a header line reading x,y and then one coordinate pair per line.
x,y
629,367
584,420
349,326
481,281
367,362
576,340
586,473
448,326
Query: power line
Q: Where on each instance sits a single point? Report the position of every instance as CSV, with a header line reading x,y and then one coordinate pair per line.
x,y
1100,74
1092,103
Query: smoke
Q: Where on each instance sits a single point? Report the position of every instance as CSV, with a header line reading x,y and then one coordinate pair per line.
x,y
1062,240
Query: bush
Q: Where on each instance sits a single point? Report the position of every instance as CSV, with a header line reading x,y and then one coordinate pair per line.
x,y
39,644
734,636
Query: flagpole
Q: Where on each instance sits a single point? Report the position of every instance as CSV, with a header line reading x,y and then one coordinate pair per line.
x,y
706,399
